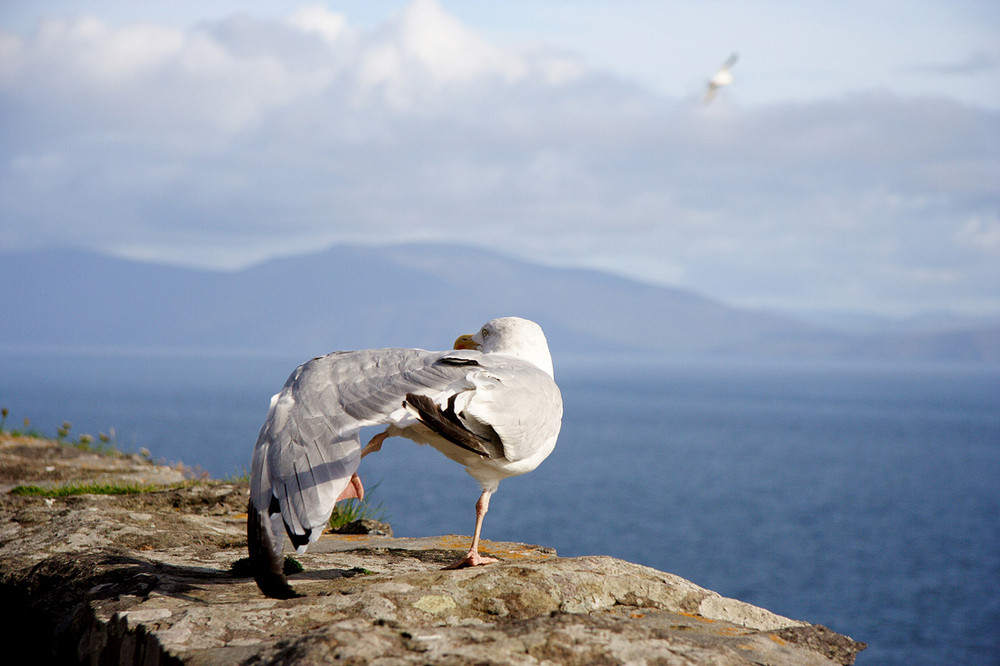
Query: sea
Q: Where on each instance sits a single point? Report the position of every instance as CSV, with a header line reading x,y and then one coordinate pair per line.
x,y
861,496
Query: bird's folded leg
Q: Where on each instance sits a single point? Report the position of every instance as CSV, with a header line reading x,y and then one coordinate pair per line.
x,y
374,444
473,558
354,489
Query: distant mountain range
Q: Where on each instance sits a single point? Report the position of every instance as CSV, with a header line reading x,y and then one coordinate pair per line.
x,y
349,297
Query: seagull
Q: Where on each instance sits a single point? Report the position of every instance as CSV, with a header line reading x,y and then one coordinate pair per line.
x,y
721,78
490,404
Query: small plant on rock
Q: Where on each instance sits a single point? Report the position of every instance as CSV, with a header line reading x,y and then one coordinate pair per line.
x,y
350,510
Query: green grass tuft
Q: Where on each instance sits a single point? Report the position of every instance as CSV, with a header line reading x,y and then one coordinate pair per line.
x,y
26,431
93,488
98,488
238,476
350,510
292,566
106,446
360,571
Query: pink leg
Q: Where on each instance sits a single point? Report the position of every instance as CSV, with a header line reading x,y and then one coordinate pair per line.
x,y
375,444
354,489
473,558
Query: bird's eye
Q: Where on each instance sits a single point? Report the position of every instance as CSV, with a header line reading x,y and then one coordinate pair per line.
x,y
485,333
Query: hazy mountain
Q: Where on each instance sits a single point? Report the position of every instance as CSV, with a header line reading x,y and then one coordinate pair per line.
x,y
410,295
862,323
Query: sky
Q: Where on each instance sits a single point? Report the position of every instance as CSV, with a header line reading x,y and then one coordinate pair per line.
x,y
853,165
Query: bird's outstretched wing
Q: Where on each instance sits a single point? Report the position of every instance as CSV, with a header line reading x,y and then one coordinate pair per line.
x,y
309,447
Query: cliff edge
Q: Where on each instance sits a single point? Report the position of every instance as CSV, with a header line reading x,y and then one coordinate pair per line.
x,y
153,576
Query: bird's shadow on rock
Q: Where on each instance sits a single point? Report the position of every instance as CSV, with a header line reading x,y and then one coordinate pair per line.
x,y
65,580
128,574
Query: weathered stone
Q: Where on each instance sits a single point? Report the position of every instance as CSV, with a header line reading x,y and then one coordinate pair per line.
x,y
146,579
365,526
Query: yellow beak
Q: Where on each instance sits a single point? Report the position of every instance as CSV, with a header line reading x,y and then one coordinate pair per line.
x,y
465,342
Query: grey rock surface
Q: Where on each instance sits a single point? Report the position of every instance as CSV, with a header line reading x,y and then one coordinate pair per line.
x,y
148,578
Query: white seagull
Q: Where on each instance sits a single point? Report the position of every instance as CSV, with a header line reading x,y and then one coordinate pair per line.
x,y
723,77
490,404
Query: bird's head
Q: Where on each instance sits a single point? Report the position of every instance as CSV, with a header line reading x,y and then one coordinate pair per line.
x,y
512,336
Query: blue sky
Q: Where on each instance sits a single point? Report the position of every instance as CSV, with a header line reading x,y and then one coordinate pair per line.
x,y
854,165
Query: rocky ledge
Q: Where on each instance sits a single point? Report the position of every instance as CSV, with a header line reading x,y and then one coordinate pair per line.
x,y
154,578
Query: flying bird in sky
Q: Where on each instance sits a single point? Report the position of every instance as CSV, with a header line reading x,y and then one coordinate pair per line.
x,y
723,77
491,404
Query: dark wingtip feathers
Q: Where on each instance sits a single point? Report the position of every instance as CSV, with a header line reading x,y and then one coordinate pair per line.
x,y
446,423
266,565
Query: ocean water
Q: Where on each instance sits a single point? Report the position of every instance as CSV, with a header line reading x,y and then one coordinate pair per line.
x,y
862,497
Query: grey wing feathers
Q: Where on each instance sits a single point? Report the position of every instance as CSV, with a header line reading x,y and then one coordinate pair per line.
x,y
308,447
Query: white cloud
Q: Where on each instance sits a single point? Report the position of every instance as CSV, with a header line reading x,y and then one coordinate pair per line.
x,y
982,233
234,140
449,50
317,19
